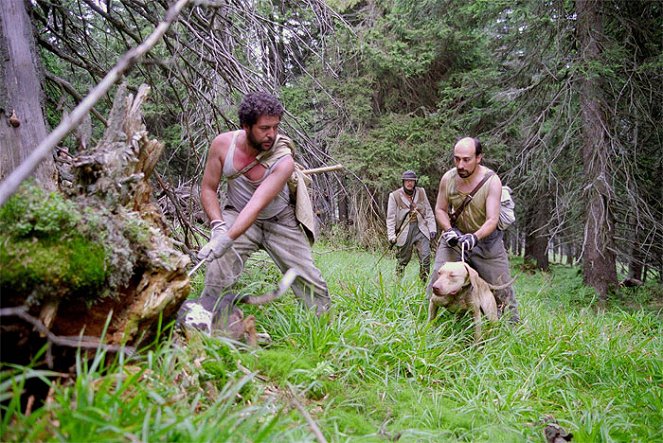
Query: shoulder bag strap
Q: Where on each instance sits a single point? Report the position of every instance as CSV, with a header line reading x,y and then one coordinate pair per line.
x,y
454,216
249,166
400,225
282,147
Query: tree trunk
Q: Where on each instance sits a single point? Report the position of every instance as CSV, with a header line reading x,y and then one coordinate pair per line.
x,y
22,123
537,236
343,212
569,251
599,268
636,262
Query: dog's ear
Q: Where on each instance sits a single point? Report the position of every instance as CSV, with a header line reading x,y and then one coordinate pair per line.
x,y
472,275
483,294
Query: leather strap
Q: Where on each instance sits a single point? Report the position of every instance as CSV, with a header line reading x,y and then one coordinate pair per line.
x,y
402,223
454,216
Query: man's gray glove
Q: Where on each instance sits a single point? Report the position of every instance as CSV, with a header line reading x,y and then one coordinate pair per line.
x,y
218,244
467,241
218,226
451,236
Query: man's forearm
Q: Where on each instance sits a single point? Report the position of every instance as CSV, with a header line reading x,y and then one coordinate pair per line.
x,y
243,221
486,229
211,205
442,219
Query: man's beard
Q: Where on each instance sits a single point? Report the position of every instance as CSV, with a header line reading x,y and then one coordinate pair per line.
x,y
464,173
257,145
408,191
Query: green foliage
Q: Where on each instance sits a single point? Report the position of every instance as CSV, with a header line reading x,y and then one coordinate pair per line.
x,y
220,366
375,369
304,371
343,5
399,143
411,53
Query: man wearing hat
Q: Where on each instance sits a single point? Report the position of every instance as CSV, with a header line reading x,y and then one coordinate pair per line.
x,y
411,224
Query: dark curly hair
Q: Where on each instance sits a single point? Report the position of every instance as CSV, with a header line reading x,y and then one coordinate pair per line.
x,y
257,104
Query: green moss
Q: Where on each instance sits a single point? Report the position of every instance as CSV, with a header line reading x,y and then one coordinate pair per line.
x,y
137,231
224,353
71,266
44,249
220,366
33,212
214,371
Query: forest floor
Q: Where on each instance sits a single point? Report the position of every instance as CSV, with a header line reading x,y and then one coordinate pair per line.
x,y
373,369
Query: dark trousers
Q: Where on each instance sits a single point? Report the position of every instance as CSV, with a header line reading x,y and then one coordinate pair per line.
x,y
415,240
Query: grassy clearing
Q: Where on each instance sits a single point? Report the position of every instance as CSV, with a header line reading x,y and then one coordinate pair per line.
x,y
373,370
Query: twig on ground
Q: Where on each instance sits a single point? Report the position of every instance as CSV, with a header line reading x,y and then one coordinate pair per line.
x,y
314,427
78,342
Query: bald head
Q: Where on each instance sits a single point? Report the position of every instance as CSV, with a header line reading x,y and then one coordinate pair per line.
x,y
469,145
467,156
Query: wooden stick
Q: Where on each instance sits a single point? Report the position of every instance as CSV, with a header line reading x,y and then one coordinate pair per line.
x,y
312,424
322,169
22,313
25,169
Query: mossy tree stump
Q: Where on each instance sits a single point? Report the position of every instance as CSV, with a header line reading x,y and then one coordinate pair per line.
x,y
93,263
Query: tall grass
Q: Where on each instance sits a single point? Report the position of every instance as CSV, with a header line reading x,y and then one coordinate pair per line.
x,y
374,370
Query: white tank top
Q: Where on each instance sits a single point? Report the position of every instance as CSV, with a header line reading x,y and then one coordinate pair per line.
x,y
241,189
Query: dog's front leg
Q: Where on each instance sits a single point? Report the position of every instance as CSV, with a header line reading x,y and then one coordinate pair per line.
x,y
476,313
432,311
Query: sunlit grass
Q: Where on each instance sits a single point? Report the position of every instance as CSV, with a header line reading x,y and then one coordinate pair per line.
x,y
373,370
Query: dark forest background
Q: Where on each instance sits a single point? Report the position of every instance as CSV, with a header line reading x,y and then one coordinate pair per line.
x,y
566,96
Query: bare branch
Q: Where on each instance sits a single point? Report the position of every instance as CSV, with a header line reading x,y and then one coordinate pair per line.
x,y
77,342
13,181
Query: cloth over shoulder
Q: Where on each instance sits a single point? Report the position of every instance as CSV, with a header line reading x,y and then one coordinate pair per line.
x,y
297,183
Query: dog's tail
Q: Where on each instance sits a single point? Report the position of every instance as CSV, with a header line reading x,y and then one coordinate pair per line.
x,y
285,283
504,286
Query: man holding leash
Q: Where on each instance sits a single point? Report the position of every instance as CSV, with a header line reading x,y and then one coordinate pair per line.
x,y
468,210
257,213
411,224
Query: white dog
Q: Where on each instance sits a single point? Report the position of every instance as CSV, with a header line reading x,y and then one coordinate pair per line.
x,y
460,289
